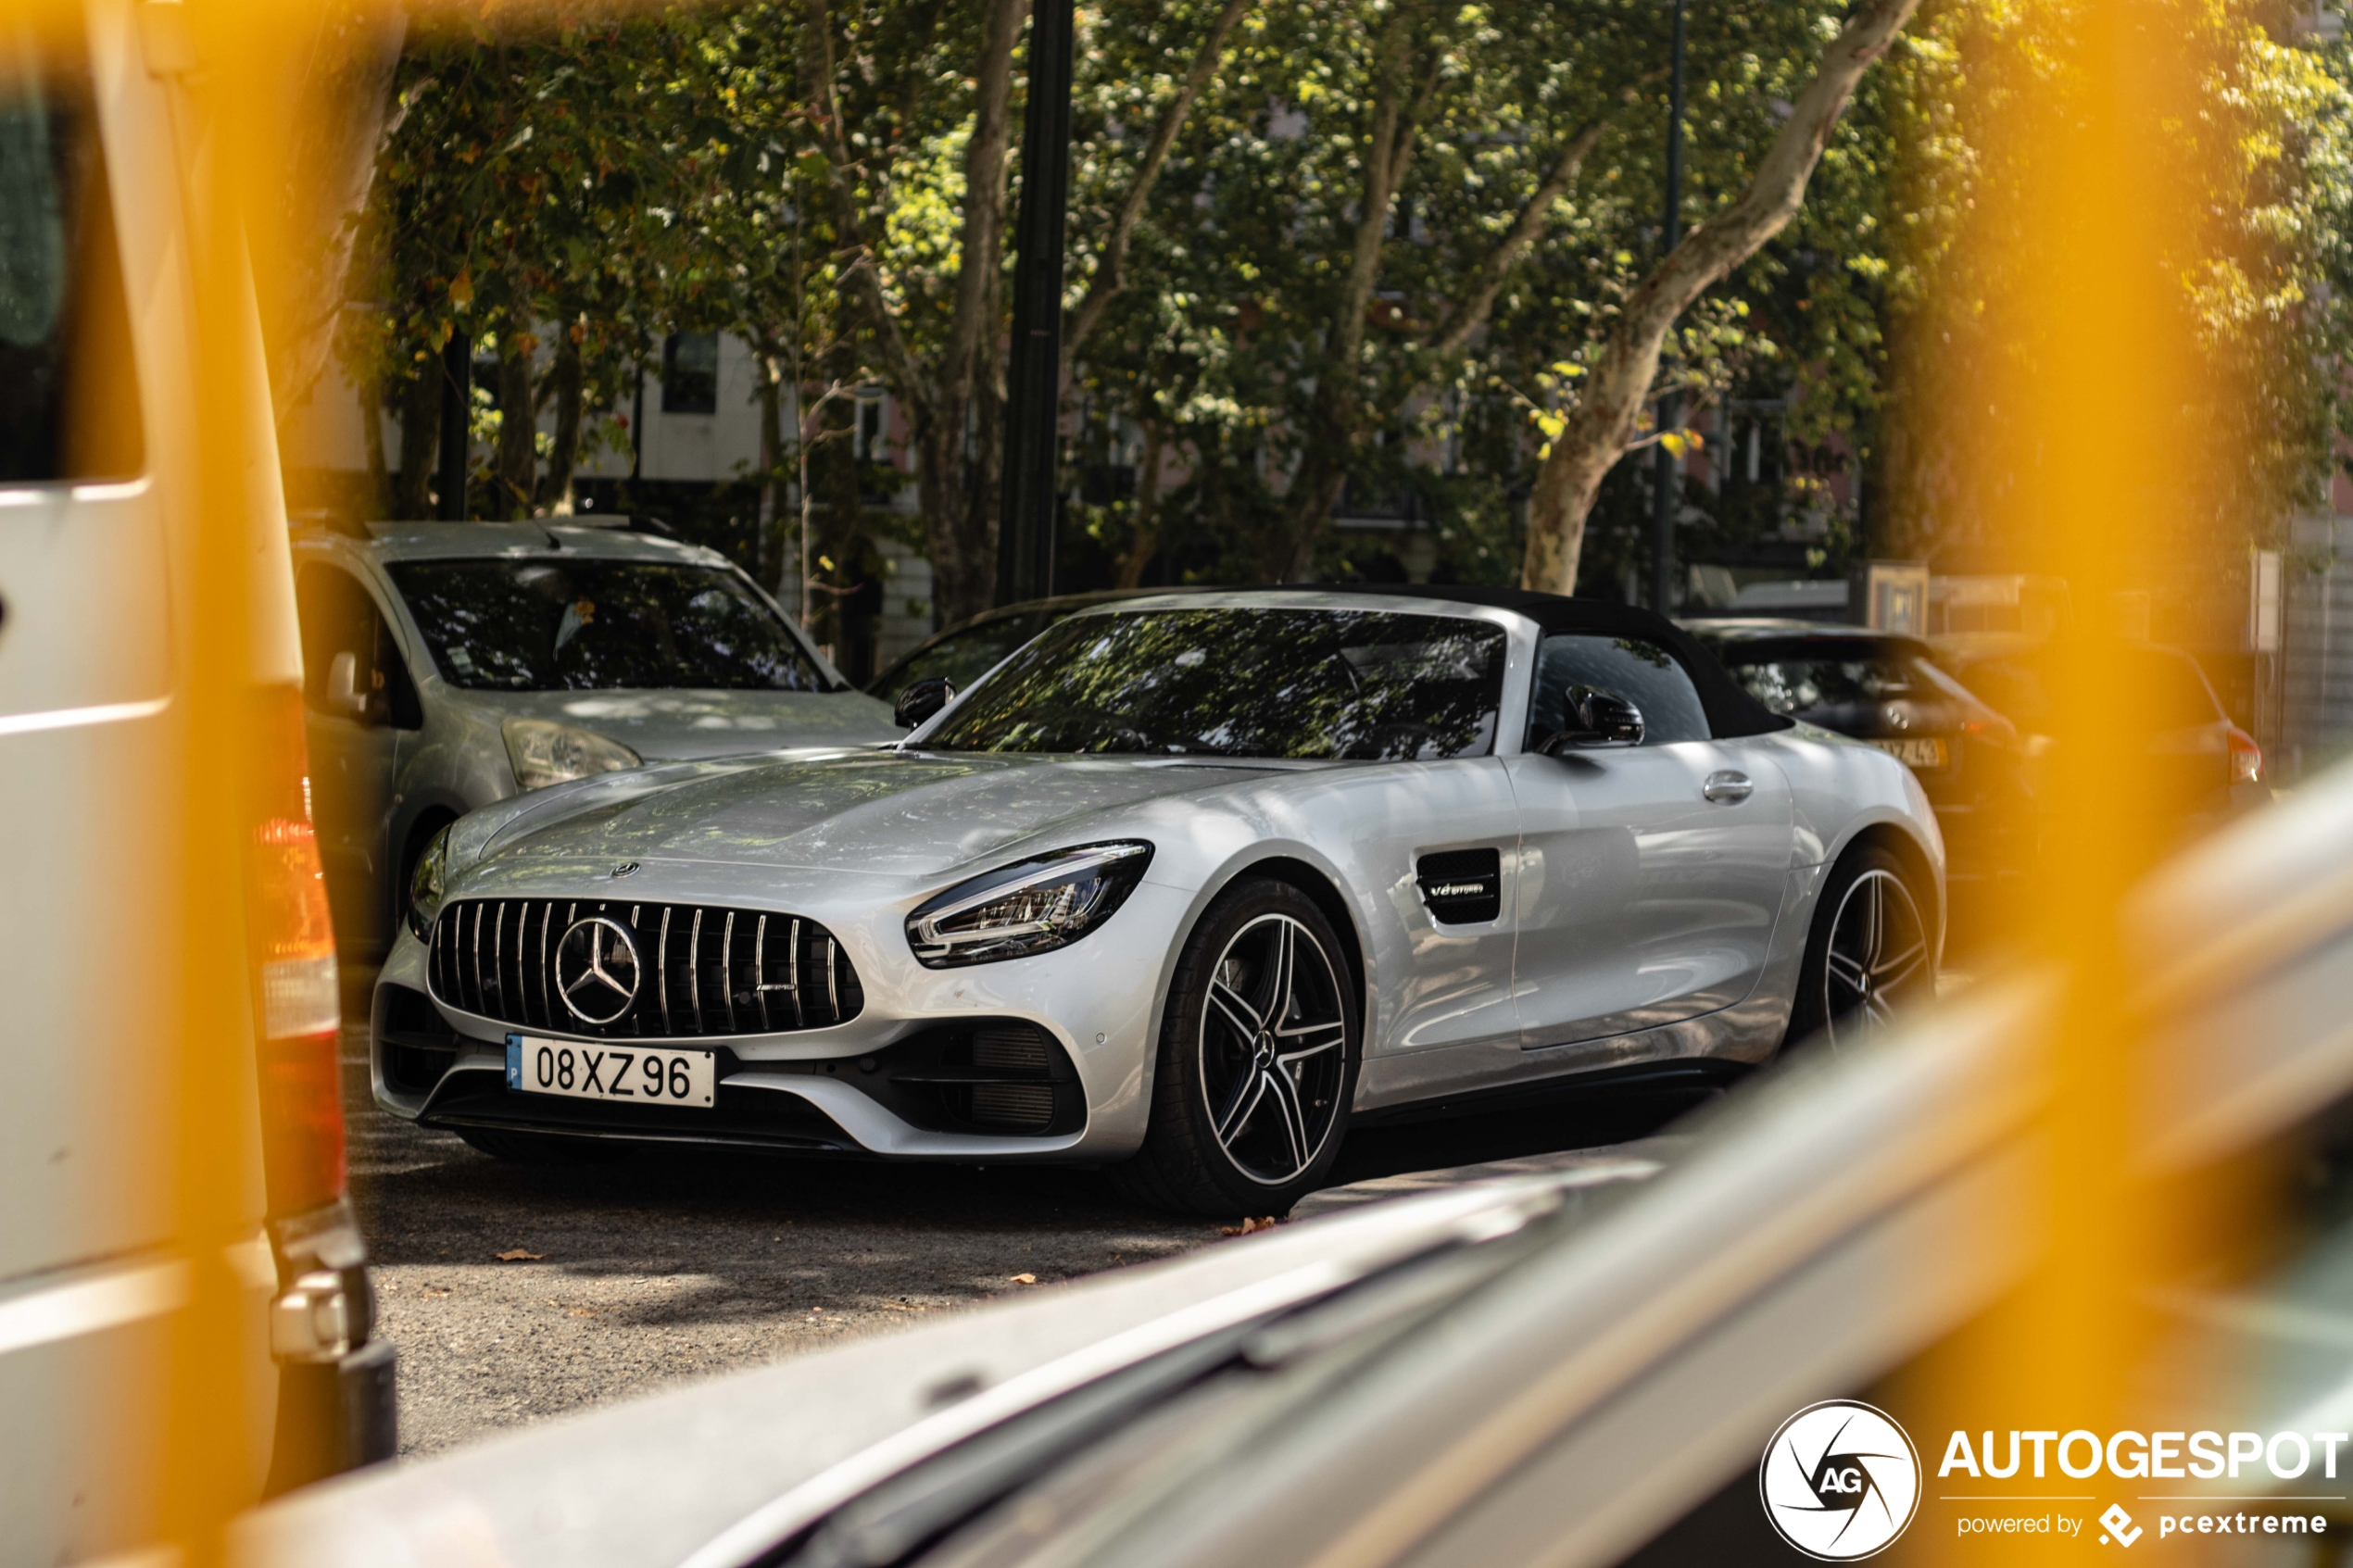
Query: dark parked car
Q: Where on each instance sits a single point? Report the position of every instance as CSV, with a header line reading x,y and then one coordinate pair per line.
x,y
1887,689
2200,768
966,651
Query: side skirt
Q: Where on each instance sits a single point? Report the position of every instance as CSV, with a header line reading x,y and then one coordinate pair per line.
x,y
1695,1075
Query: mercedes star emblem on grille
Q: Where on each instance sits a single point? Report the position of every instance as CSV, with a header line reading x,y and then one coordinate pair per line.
x,y
596,969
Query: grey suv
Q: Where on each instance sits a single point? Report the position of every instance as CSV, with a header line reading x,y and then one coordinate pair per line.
x,y
449,665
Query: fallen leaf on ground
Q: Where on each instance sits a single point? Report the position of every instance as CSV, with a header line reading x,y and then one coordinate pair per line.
x,y
1248,1225
1025,1279
517,1255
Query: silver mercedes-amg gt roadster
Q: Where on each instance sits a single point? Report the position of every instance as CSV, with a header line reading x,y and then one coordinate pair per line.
x,y
1183,887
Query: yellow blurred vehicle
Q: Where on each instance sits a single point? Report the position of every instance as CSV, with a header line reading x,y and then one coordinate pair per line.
x,y
98,460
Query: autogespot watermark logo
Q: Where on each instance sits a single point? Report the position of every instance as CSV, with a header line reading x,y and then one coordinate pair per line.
x,y
1840,1480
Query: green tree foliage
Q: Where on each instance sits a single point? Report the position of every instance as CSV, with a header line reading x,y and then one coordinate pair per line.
x,y
1298,356
1326,256
2263,292
539,177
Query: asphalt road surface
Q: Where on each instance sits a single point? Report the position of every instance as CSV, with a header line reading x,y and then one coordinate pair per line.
x,y
620,1277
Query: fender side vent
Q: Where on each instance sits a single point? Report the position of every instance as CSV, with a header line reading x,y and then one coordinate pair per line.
x,y
1462,887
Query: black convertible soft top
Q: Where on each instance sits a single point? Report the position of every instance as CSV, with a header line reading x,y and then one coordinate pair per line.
x,y
1731,711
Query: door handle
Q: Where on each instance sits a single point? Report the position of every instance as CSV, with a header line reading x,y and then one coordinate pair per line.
x,y
1727,788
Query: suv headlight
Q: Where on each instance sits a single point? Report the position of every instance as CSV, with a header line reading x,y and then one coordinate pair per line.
x,y
1029,906
425,883
545,752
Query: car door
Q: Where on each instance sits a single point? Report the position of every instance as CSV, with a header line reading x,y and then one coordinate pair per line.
x,y
1438,844
1651,876
357,703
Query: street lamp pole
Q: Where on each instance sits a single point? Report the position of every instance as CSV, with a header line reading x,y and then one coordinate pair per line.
x,y
1033,391
1670,408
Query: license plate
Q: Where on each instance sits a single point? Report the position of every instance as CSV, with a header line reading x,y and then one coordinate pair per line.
x,y
618,1072
1916,751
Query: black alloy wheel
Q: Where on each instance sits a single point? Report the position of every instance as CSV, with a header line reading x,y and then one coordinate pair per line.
x,y
1271,1050
1257,1062
1871,952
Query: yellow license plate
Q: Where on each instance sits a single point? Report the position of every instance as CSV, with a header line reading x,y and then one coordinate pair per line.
x,y
1927,751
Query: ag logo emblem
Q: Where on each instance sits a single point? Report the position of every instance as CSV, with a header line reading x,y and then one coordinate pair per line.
x,y
1840,1480
596,969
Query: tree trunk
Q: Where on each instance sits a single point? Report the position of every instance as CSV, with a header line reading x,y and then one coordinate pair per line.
x,y
960,484
1335,418
371,437
953,405
570,377
1110,276
833,476
419,414
1144,543
772,468
1613,394
516,461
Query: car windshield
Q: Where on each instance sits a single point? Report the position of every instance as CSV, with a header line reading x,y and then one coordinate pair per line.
x,y
1840,683
960,657
1244,683
536,625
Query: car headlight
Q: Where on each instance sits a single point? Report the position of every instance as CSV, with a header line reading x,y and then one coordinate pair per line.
x,y
545,752
425,883
1029,907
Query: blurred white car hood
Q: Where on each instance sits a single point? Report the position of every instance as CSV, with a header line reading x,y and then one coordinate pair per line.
x,y
645,1483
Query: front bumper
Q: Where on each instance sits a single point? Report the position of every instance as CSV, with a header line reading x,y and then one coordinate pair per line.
x,y
896,1081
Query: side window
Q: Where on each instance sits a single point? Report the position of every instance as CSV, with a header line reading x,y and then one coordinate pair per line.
x,y
968,656
1642,672
351,665
69,403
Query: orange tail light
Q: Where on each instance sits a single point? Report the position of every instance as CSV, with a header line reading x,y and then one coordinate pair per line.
x,y
296,999
2246,758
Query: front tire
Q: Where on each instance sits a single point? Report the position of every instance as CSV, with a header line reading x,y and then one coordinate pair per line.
x,y
1257,1060
1870,952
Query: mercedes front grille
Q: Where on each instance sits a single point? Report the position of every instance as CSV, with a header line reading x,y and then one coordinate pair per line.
x,y
684,970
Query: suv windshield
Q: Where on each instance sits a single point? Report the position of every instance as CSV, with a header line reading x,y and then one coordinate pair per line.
x,y
534,625
1244,683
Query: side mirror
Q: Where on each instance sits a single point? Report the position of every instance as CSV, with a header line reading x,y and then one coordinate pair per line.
x,y
1597,720
923,699
344,695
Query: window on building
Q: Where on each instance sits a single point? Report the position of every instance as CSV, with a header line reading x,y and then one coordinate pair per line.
x,y
690,373
874,427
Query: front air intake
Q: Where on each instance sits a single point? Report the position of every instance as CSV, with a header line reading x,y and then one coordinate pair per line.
x,y
1023,1108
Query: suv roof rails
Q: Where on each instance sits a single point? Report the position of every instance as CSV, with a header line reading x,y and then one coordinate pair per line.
x,y
615,523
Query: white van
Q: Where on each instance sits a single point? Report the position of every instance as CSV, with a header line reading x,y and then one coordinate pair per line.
x,y
97,491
